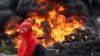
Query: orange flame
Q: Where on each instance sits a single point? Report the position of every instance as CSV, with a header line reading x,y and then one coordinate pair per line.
x,y
61,8
60,25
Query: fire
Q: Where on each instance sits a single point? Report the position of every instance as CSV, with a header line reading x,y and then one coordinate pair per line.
x,y
9,32
61,8
11,27
17,41
57,25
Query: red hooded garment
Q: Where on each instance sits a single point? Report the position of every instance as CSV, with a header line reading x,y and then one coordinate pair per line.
x,y
28,43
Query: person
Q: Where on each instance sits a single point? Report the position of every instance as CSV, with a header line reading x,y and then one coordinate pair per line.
x,y
29,45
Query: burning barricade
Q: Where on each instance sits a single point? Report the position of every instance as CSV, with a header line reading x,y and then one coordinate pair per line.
x,y
79,45
58,26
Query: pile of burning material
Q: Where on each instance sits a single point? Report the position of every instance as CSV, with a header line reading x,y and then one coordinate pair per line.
x,y
52,20
80,35
86,43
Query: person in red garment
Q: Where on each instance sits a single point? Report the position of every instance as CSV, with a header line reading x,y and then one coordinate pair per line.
x,y
29,45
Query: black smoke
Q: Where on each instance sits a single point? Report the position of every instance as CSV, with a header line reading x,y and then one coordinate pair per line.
x,y
88,9
20,8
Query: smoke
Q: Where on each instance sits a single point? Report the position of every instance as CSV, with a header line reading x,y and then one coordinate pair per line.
x,y
46,29
93,8
4,16
18,10
24,6
21,8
